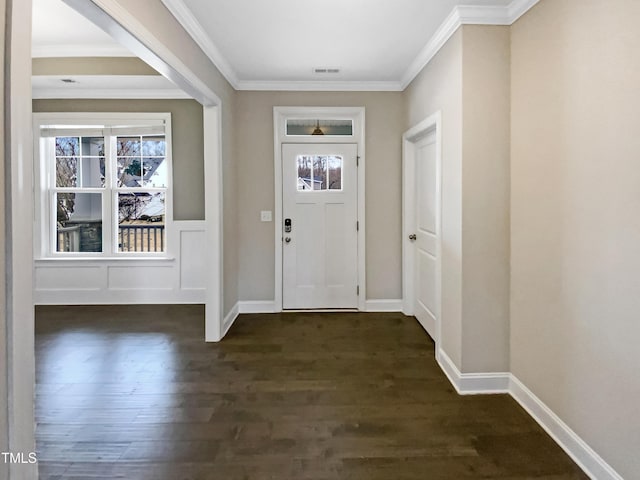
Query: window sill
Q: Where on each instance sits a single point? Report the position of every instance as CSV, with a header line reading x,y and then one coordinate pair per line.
x,y
103,260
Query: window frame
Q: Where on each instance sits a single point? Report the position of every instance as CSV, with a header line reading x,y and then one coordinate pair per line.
x,y
114,125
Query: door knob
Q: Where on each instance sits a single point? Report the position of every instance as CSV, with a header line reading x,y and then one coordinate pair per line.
x,y
287,239
413,237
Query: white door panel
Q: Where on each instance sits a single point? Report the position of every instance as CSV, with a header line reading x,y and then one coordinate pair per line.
x,y
426,242
320,253
426,185
426,294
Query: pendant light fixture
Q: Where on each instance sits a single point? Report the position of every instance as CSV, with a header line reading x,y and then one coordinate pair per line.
x,y
317,130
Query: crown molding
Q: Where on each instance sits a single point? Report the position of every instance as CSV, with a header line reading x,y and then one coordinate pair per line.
x,y
79,50
326,86
517,8
482,15
465,15
190,23
460,15
437,41
109,93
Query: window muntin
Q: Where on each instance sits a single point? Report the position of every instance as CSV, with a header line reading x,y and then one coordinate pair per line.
x,y
319,172
109,195
141,161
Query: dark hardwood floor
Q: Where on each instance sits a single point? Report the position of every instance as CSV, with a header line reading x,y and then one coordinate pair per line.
x,y
135,393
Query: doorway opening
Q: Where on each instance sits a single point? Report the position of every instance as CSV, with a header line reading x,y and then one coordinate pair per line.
x,y
319,212
18,376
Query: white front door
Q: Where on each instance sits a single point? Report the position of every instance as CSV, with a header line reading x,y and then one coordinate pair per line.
x,y
319,231
425,233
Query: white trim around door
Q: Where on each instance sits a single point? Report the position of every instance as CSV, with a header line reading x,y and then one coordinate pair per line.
x,y
429,127
280,117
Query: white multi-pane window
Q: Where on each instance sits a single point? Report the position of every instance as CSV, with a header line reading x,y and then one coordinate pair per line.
x,y
105,189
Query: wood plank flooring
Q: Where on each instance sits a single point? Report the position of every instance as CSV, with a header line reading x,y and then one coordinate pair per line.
x,y
133,392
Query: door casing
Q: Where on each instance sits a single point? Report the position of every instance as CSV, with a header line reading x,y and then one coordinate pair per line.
x,y
432,124
280,117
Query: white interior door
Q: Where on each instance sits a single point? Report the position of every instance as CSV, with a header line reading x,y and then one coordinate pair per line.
x,y
424,239
319,231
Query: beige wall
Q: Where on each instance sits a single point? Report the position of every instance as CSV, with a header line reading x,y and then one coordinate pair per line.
x,y
254,129
159,21
575,288
439,88
485,198
187,136
91,66
468,81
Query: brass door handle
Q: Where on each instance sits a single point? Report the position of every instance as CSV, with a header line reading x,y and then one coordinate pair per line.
x,y
413,237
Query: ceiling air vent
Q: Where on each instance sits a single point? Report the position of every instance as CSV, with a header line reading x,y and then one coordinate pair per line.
x,y
323,70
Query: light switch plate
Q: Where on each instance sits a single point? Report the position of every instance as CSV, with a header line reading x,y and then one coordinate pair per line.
x,y
265,216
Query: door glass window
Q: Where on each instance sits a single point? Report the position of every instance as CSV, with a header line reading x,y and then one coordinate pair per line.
x,y
319,172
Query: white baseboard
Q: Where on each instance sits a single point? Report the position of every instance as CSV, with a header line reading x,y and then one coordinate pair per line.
x,y
490,383
581,453
269,306
230,318
473,383
260,306
393,305
119,297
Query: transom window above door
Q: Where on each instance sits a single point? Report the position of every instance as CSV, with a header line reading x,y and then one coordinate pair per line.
x,y
302,127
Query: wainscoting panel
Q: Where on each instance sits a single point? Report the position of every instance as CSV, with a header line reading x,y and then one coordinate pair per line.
x,y
136,277
192,267
71,277
179,278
